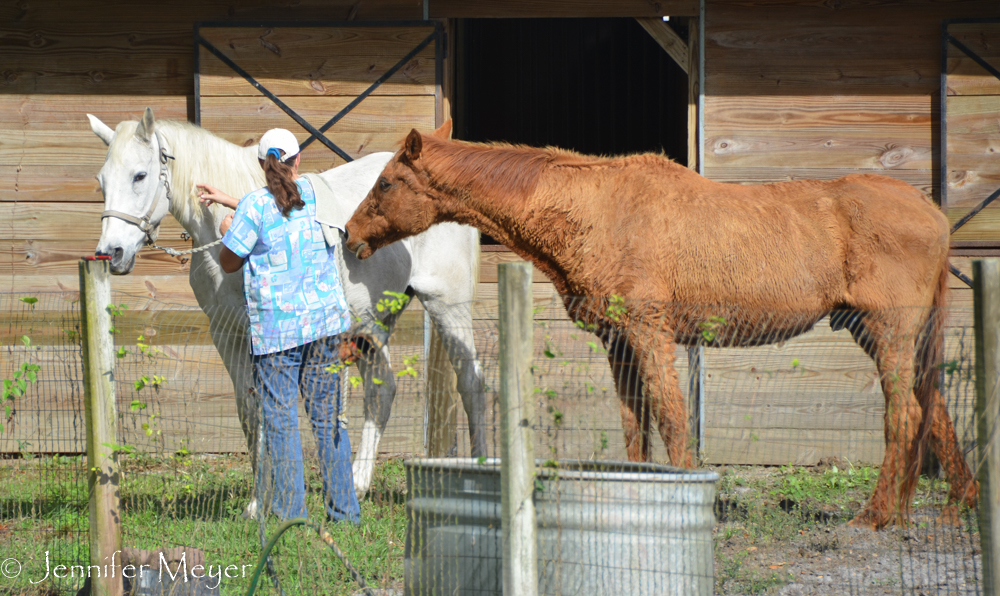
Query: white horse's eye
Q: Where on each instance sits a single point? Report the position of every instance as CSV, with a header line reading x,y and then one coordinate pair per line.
x,y
139,177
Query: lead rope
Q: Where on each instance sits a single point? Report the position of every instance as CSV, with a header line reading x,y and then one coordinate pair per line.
x,y
181,253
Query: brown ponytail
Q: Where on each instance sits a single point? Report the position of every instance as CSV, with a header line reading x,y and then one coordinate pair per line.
x,y
281,183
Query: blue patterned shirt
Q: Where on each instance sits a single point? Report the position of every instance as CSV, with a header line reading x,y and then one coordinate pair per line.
x,y
290,279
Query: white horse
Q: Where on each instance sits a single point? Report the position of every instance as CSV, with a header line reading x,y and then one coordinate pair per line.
x,y
152,168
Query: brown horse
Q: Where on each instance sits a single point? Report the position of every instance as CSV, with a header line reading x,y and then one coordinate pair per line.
x,y
869,250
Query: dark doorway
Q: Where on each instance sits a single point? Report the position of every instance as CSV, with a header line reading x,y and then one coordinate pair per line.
x,y
597,86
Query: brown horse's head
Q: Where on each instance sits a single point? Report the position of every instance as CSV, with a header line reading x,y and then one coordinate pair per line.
x,y
401,203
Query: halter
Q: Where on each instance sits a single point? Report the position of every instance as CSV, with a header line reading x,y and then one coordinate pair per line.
x,y
143,222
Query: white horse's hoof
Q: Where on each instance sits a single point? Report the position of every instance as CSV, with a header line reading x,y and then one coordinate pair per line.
x,y
251,510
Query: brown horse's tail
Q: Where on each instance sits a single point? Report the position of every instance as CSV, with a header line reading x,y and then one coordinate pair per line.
x,y
927,371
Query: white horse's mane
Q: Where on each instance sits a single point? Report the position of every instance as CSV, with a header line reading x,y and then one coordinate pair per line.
x,y
200,158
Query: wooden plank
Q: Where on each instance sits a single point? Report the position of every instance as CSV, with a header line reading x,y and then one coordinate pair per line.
x,y
789,410
775,447
671,43
984,226
876,114
377,124
172,289
560,8
317,61
54,257
922,179
965,76
968,188
911,149
853,48
63,221
50,183
40,111
188,11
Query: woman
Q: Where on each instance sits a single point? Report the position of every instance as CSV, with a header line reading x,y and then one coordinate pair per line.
x,y
297,307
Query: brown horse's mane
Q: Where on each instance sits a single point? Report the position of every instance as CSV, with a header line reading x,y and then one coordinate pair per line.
x,y
485,167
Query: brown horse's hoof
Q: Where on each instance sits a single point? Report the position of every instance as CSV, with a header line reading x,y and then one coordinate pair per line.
x,y
871,520
949,516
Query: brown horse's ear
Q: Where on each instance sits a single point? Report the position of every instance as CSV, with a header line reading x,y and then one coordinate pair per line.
x,y
413,145
444,131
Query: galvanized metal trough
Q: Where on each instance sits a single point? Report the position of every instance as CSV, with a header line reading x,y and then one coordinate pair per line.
x,y
604,527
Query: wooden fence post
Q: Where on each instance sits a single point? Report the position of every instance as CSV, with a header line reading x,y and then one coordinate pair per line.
x,y
101,417
986,301
517,459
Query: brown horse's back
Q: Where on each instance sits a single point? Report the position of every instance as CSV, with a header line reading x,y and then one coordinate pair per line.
x,y
862,241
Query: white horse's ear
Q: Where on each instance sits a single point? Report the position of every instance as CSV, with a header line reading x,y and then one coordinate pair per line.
x,y
101,129
145,129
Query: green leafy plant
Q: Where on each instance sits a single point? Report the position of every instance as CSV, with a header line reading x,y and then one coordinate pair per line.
x,y
408,369
710,329
154,381
616,308
394,302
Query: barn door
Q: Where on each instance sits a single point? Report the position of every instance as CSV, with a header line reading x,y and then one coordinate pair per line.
x,y
970,132
346,90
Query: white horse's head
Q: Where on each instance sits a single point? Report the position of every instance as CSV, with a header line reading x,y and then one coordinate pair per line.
x,y
135,181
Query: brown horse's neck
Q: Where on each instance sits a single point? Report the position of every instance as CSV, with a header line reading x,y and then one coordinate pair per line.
x,y
508,192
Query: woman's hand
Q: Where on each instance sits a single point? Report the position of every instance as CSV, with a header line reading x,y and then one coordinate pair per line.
x,y
224,226
208,195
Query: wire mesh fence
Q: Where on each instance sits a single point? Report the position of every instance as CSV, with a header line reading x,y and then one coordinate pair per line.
x,y
788,437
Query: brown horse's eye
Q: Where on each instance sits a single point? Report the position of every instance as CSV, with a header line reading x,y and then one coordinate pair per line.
x,y
384,185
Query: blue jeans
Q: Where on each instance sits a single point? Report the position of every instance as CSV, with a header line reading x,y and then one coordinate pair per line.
x,y
279,378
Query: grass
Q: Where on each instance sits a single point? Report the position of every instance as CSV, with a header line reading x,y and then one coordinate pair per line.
x,y
194,502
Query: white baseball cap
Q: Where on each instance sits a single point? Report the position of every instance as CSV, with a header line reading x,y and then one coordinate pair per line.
x,y
278,138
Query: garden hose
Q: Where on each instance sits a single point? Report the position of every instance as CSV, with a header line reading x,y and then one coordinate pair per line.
x,y
324,536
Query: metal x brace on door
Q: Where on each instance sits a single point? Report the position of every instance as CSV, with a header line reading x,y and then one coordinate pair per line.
x,y
947,38
314,133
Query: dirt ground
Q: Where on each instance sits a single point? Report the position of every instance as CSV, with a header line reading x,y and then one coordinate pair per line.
x,y
769,543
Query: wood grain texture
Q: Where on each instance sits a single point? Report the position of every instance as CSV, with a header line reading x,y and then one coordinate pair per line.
x,y
50,183
63,221
377,124
560,8
845,149
822,49
317,61
671,43
876,114
965,76
984,226
921,179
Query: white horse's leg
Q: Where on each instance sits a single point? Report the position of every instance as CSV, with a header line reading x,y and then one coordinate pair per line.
x,y
233,345
454,324
378,405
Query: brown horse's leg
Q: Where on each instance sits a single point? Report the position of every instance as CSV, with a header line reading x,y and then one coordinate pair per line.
x,y
634,409
892,350
656,361
962,486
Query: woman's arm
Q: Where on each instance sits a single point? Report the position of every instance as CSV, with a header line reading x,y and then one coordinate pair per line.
x,y
230,261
